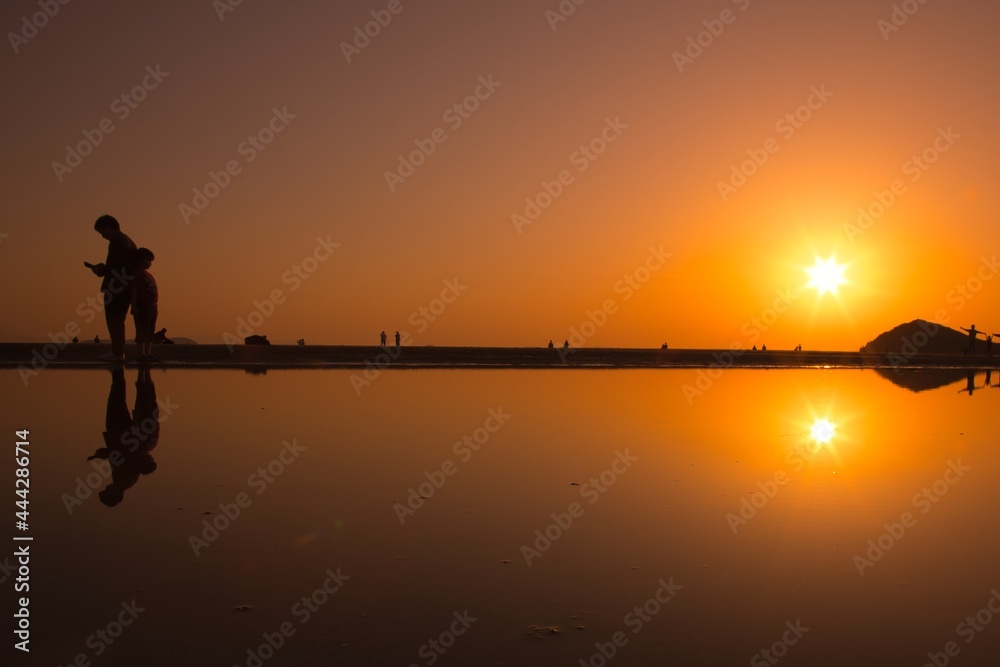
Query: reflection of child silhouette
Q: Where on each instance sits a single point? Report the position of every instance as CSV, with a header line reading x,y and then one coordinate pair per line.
x,y
128,438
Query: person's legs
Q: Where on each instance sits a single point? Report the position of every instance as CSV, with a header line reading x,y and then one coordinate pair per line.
x,y
115,312
145,327
150,333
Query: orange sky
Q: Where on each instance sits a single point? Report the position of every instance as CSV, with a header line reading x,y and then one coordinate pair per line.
x,y
610,67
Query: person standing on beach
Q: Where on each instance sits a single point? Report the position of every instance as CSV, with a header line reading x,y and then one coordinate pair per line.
x,y
115,282
382,339
397,340
145,302
973,334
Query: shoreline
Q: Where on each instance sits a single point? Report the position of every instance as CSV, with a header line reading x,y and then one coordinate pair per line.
x,y
37,356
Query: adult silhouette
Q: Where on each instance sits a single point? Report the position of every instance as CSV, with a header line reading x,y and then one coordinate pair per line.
x,y
116,276
973,334
128,438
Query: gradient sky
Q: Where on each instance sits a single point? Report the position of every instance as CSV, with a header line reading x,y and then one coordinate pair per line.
x,y
655,185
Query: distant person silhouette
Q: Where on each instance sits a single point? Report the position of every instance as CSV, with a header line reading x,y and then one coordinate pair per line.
x,y
75,340
397,340
566,345
763,348
145,304
116,276
301,342
551,346
382,339
97,339
754,348
128,438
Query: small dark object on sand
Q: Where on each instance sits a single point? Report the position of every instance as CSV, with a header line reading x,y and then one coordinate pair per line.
x,y
160,338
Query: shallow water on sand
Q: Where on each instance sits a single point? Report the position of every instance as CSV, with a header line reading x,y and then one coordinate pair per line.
x,y
555,503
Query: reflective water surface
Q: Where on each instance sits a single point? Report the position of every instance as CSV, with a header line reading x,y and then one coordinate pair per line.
x,y
814,517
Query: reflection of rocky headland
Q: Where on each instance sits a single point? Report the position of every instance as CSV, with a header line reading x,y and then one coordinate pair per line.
x,y
923,379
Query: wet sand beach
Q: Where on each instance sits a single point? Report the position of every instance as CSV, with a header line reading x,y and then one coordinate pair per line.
x,y
86,355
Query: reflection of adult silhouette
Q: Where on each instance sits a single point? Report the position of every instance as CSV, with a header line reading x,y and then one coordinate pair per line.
x,y
972,388
129,438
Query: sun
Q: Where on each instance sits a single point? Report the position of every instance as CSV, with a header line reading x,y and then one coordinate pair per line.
x,y
822,431
826,275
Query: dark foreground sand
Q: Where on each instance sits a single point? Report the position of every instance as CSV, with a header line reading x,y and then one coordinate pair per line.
x,y
38,356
